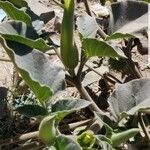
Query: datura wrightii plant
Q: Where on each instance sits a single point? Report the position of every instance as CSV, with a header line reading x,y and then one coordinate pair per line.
x,y
20,37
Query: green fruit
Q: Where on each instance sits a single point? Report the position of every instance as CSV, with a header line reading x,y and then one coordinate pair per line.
x,y
86,139
69,52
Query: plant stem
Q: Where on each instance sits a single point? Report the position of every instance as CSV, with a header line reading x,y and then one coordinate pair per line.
x,y
131,65
141,121
58,3
86,96
87,7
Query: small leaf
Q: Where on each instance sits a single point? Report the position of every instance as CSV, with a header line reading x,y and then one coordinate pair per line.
x,y
32,110
94,47
64,107
15,13
47,130
65,143
116,36
21,33
118,138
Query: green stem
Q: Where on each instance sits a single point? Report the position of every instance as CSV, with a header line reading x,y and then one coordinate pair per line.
x,y
86,96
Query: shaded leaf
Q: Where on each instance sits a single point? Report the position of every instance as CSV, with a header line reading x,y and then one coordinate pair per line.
x,y
21,33
87,26
128,95
37,7
128,17
41,75
94,47
32,110
145,105
15,13
65,143
47,130
64,107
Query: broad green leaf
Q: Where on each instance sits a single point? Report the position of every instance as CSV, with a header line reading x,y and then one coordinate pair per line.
x,y
32,110
116,36
65,143
21,33
15,13
118,138
47,130
68,50
94,47
18,3
42,76
64,107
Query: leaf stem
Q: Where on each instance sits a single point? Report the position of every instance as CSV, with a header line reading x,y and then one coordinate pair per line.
x,y
143,126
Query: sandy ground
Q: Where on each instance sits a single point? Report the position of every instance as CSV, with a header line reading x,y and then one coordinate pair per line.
x,y
6,69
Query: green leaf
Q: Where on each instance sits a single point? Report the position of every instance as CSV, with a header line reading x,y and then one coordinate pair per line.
x,y
47,130
65,143
116,36
64,107
21,33
19,4
94,47
118,138
32,110
41,75
15,13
